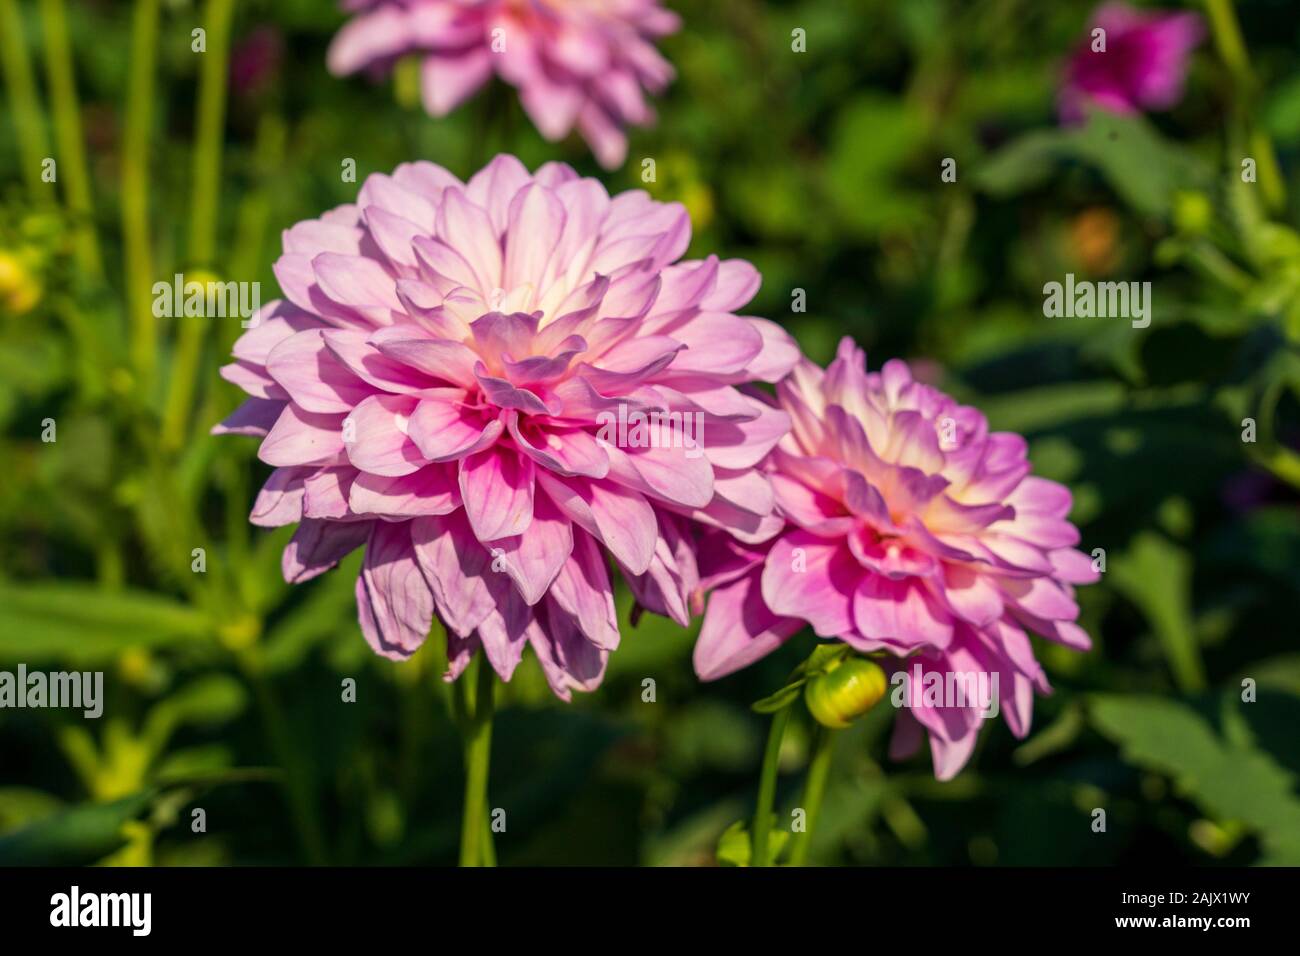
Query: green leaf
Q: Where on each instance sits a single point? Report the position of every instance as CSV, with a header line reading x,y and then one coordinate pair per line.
x,y
82,622
1228,781
207,701
1143,168
1156,575
781,699
735,848
77,836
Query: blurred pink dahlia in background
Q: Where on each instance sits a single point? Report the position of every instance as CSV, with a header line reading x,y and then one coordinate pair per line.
x,y
447,383
1142,67
912,530
581,63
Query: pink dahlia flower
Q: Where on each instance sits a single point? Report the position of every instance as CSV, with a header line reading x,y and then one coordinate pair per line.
x,y
444,385
912,530
581,63
1142,68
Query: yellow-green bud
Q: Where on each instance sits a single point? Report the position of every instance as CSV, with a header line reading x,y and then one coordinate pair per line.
x,y
845,692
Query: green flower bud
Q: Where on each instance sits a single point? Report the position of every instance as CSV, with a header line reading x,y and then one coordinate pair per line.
x,y
845,692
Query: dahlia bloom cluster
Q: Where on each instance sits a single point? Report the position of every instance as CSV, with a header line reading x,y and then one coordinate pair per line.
x,y
911,530
583,63
1142,67
440,386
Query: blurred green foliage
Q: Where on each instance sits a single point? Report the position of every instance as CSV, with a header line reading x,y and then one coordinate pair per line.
x,y
823,169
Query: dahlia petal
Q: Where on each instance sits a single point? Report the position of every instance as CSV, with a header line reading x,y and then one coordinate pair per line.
x,y
313,376
394,604
1073,567
318,545
446,81
467,227
280,500
390,195
442,359
900,613
535,226
455,566
620,518
810,578
447,431
680,475
300,437
356,282
325,492
497,488
271,325
254,380
739,629
533,559
432,490
255,416
582,589
972,596
380,444
394,235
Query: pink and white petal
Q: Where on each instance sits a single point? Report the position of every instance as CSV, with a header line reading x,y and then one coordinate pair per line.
x,y
300,437
621,518
255,416
281,498
447,80
497,488
433,490
900,613
317,546
739,629
813,579
313,376
582,588
380,444
533,559
394,604
326,492
455,566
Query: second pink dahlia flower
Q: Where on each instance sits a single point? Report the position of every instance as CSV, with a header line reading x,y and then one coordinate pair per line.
x,y
449,384
583,63
912,530
1142,67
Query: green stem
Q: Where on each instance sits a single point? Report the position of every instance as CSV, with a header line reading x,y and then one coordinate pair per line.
x,y
137,254
814,790
298,788
24,100
1227,37
67,133
478,750
204,199
762,825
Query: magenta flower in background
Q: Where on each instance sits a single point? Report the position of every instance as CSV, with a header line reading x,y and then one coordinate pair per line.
x,y
582,63
444,385
1143,66
911,530
255,60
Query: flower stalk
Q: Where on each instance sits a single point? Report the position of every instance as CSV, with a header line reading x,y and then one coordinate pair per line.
x,y
68,136
814,792
137,251
476,712
204,199
762,826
